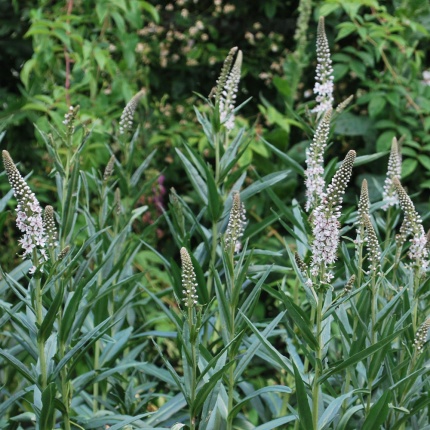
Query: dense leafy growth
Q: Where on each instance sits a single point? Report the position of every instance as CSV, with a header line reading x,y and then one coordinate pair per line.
x,y
208,267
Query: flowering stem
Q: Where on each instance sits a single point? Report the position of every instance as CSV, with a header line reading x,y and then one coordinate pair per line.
x,y
191,324
38,307
65,389
232,350
374,309
415,299
318,360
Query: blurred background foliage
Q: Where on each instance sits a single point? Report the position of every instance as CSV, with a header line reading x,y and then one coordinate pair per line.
x,y
99,53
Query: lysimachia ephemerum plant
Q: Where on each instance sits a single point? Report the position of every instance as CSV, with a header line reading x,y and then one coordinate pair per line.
x,y
394,171
39,232
314,172
325,221
324,72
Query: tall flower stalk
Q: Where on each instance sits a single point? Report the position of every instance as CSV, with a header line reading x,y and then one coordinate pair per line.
x,y
394,170
190,300
232,245
314,172
418,250
236,225
324,73
325,220
126,120
29,215
30,222
223,114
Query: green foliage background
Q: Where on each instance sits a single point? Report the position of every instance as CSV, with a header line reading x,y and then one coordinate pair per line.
x,y
98,54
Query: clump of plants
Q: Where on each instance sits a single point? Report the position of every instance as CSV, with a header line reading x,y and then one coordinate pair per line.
x,y
88,341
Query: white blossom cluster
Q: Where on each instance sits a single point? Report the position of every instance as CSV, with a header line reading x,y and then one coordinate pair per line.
x,y
363,203
236,224
324,72
189,283
49,227
109,168
426,77
394,170
374,253
366,232
29,213
68,117
314,174
421,335
126,120
326,221
412,225
227,98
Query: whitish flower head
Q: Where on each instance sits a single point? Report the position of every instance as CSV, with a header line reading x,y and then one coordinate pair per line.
x,y
324,72
314,174
349,284
69,118
421,335
29,213
374,254
49,227
300,263
109,168
418,251
403,234
63,253
189,283
363,203
426,77
302,25
325,220
343,105
337,187
221,81
227,99
126,121
394,171
236,224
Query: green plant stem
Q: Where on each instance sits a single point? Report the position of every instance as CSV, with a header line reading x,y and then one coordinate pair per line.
x,y
373,337
40,342
318,360
193,387
306,362
417,277
217,157
65,389
215,222
38,308
65,183
96,384
212,258
232,350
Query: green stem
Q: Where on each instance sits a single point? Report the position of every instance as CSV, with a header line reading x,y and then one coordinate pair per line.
x,y
232,349
373,337
217,157
40,342
96,384
191,323
65,390
38,308
212,258
415,300
318,361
